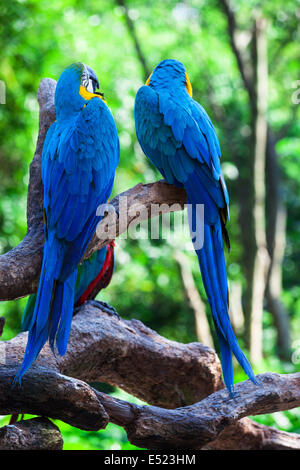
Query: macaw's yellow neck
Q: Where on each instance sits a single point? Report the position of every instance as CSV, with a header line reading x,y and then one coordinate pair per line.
x,y
87,95
188,85
148,79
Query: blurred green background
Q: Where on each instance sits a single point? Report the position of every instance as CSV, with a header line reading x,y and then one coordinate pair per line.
x,y
122,42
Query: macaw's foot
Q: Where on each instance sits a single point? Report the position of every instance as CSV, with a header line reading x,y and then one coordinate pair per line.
x,y
232,395
76,310
104,307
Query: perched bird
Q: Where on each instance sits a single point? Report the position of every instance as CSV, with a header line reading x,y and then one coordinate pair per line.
x,y
178,137
94,274
80,155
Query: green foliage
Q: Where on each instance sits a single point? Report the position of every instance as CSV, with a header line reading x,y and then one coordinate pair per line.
x,y
39,38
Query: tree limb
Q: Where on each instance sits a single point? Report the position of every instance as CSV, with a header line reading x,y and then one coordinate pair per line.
x,y
194,426
245,73
31,434
129,355
132,32
104,348
246,434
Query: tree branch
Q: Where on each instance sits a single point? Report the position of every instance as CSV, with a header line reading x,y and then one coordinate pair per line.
x,y
132,32
245,73
129,355
194,426
31,434
246,434
104,348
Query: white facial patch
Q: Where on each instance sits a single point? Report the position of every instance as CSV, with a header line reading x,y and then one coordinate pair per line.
x,y
90,87
85,78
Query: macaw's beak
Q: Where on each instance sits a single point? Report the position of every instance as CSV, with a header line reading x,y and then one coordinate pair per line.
x,y
100,94
93,77
95,81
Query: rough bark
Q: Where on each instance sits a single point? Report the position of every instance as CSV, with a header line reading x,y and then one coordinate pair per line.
x,y
104,348
31,434
20,267
249,435
196,425
133,357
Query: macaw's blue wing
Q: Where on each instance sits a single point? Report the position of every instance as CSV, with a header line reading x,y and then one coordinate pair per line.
x,y
178,137
94,274
78,168
78,177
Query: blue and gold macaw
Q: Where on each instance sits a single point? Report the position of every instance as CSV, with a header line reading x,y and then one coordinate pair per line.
x,y
93,275
80,156
178,137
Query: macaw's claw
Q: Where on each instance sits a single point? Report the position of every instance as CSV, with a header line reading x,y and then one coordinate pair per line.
x,y
76,310
233,395
105,307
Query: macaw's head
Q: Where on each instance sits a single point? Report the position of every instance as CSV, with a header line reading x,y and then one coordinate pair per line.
x,y
75,87
170,75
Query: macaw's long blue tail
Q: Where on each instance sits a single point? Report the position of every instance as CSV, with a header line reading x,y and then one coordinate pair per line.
x,y
213,271
51,319
28,312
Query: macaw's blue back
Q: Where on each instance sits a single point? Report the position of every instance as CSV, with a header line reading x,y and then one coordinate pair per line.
x,y
178,137
80,156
